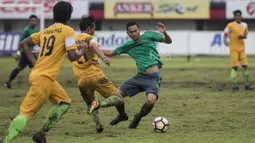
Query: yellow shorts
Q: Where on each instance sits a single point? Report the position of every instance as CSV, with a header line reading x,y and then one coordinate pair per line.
x,y
99,83
42,88
238,58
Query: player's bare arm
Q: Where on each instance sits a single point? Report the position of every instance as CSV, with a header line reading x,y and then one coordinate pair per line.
x,y
109,53
226,39
74,55
100,53
25,45
226,35
162,29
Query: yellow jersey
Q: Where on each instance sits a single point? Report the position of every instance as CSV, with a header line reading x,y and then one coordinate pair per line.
x,y
54,42
234,29
87,65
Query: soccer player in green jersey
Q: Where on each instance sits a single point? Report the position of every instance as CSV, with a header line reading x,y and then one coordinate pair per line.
x,y
23,61
142,49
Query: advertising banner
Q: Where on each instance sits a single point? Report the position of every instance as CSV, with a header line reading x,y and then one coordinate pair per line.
x,y
246,6
80,7
184,43
161,9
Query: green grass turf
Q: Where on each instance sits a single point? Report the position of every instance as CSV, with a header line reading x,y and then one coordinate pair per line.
x,y
195,97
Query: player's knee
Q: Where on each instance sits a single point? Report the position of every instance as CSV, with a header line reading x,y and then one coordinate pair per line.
x,y
235,68
64,103
20,67
120,94
151,98
245,66
151,101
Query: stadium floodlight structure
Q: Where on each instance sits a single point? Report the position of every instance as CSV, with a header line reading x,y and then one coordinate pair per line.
x,y
39,8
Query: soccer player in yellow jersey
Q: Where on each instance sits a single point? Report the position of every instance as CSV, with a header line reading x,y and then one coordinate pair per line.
x,y
54,41
90,76
237,31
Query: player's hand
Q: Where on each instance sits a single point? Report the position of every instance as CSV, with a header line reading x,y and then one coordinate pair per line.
x,y
241,36
83,46
226,42
161,27
107,61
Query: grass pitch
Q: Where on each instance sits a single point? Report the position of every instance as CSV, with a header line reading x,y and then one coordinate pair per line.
x,y
195,97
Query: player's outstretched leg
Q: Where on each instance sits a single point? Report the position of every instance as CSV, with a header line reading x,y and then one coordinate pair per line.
x,y
12,76
54,116
108,102
145,110
246,78
16,127
117,101
234,79
121,110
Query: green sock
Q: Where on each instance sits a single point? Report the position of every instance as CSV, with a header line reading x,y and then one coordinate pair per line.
x,y
234,78
95,117
246,77
111,101
16,127
54,116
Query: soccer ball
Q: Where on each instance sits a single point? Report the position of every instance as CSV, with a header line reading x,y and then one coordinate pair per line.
x,y
160,125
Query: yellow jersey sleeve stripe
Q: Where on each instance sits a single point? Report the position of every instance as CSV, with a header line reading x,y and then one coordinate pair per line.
x,y
74,47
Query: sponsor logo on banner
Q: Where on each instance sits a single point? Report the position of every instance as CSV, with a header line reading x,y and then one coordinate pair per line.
x,y
9,43
156,9
125,10
182,10
80,7
251,8
246,6
133,8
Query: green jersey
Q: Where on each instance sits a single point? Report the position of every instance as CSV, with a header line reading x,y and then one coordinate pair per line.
x,y
143,50
26,33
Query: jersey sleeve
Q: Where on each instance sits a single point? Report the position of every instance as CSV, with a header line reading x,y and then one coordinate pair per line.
x,y
155,36
93,40
227,30
121,49
70,40
36,38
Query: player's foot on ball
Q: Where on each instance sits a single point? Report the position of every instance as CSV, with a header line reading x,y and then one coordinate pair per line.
x,y
135,122
94,106
249,87
235,89
7,85
39,137
100,128
119,119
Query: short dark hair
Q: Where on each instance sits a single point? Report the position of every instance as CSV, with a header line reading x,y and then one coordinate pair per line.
x,y
62,11
131,24
86,22
33,16
237,12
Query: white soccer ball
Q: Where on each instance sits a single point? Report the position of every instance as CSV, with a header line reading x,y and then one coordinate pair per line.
x,y
160,125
